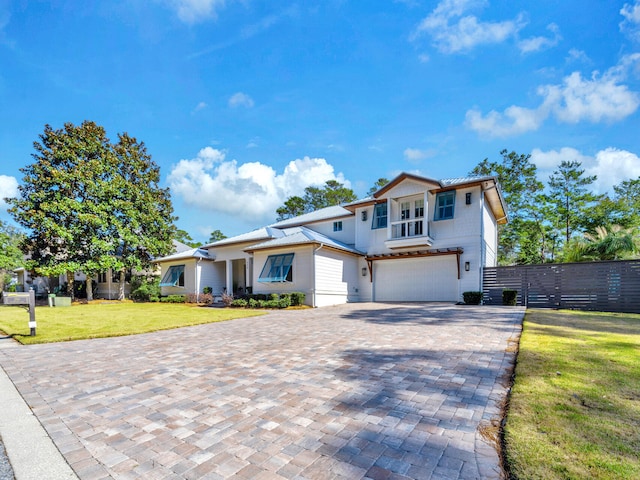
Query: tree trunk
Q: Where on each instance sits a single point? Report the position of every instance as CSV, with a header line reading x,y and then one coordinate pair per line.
x,y
89,281
121,285
70,279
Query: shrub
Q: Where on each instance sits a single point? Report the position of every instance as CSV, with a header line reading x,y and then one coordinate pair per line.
x,y
253,303
472,298
284,302
173,299
297,298
239,303
144,288
206,298
207,290
227,299
509,297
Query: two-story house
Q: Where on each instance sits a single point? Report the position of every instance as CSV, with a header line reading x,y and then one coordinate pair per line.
x,y
416,239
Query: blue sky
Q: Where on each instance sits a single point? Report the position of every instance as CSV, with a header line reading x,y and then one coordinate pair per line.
x,y
245,103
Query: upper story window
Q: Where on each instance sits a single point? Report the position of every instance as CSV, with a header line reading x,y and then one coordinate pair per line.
x,y
337,226
379,216
419,208
405,210
445,202
277,268
174,277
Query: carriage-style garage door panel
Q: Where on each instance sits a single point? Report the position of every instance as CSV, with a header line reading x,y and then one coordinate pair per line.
x,y
416,279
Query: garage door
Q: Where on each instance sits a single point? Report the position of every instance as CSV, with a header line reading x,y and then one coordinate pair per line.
x,y
416,279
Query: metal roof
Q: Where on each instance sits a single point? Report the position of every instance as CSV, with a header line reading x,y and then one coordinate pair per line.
x,y
263,233
316,216
301,236
193,253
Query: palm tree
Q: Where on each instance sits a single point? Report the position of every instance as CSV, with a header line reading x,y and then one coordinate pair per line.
x,y
616,244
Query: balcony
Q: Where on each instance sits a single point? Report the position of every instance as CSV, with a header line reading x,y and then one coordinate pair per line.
x,y
409,233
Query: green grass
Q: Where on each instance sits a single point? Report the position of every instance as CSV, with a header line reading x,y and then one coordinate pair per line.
x,y
574,411
98,320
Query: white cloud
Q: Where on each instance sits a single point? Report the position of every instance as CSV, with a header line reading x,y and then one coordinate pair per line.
x,y
611,165
8,189
631,23
194,11
200,106
452,30
513,121
252,191
576,55
240,100
415,155
602,98
535,44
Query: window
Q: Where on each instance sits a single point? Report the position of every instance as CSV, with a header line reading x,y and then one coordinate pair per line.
x,y
174,277
379,216
102,277
419,208
337,226
277,268
444,205
405,210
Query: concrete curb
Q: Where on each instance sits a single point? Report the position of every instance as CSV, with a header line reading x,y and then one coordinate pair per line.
x,y
30,450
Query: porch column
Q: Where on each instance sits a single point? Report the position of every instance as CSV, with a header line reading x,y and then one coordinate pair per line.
x,y
229,275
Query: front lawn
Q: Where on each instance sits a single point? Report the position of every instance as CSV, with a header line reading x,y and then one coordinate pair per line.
x,y
108,320
574,411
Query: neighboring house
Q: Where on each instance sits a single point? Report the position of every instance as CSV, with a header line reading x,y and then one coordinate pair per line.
x,y
107,282
416,239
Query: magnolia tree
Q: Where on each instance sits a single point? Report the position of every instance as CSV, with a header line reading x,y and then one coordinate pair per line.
x,y
88,205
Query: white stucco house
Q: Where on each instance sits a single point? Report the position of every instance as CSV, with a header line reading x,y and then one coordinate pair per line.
x,y
415,239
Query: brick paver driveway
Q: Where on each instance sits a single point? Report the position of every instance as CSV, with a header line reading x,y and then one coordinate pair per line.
x,y
375,391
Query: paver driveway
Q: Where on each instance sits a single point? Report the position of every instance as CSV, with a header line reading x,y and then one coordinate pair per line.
x,y
356,391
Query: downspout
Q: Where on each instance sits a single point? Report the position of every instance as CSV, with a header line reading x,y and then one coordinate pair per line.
x,y
197,284
313,271
482,249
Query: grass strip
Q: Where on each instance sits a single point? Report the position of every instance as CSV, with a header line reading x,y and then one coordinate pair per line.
x,y
574,411
98,320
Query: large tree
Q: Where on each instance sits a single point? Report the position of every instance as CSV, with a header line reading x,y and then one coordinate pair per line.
x,y
88,205
524,238
381,182
315,198
62,201
144,227
216,235
569,193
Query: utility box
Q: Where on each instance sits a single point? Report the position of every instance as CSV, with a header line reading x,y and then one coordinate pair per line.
x,y
62,301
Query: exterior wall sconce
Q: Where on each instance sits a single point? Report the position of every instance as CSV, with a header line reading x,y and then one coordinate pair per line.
x,y
467,266
468,198
364,215
364,271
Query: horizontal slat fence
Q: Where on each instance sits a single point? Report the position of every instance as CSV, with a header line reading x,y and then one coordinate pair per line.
x,y
603,286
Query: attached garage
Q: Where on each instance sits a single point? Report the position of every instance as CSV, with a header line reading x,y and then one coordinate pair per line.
x,y
416,279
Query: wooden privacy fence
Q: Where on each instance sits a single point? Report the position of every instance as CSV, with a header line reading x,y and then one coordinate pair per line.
x,y
604,286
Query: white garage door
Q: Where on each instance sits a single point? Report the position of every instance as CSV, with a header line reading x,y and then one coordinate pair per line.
x,y
421,279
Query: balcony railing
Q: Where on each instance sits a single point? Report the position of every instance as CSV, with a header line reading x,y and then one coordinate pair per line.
x,y
407,228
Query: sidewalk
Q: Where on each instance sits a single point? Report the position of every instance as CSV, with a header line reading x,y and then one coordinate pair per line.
x,y
31,452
